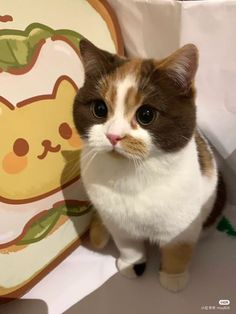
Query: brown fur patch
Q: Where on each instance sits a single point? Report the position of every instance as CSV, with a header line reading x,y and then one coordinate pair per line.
x,y
134,146
175,259
176,118
181,66
205,157
219,204
99,65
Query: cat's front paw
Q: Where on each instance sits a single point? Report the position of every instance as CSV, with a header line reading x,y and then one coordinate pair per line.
x,y
174,282
131,270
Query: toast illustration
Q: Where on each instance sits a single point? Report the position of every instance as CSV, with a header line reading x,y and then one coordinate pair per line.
x,y
43,207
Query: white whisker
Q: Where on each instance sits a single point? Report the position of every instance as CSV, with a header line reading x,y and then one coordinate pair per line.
x,y
89,163
84,156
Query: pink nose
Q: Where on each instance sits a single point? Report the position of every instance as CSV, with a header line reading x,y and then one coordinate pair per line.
x,y
113,138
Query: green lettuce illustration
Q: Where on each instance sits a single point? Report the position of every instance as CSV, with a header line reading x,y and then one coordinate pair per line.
x,y
40,229
225,226
17,47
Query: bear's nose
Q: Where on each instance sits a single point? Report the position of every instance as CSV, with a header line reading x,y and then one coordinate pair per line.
x,y
113,138
47,143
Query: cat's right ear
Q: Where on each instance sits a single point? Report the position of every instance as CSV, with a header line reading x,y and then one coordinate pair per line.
x,y
181,66
96,61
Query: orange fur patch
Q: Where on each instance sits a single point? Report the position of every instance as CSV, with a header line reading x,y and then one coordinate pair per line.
x,y
132,101
134,146
175,259
108,85
98,234
205,157
110,98
130,68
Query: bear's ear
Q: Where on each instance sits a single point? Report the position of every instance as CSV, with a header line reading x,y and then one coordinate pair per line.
x,y
181,66
97,62
65,89
5,106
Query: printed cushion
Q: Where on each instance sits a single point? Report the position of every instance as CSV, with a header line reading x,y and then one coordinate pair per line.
x,y
43,207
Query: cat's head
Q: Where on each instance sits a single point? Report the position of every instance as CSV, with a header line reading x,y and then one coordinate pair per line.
x,y
136,107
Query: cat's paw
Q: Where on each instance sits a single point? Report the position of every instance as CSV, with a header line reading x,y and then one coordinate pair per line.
x,y
174,282
131,270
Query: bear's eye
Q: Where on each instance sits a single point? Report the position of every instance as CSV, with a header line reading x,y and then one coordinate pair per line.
x,y
21,147
65,131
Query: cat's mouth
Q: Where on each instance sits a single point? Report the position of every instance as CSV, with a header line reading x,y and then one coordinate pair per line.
x,y
48,148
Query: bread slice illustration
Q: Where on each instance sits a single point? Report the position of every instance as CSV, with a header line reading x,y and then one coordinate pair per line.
x,y
44,209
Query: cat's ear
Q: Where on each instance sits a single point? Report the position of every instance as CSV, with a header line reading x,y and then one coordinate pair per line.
x,y
96,61
181,66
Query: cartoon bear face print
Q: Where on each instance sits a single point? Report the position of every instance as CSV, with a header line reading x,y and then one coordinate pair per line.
x,y
34,136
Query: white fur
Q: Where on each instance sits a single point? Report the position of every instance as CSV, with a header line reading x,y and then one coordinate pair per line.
x,y
118,124
165,198
160,201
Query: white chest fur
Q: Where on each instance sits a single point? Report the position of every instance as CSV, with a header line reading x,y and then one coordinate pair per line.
x,y
160,200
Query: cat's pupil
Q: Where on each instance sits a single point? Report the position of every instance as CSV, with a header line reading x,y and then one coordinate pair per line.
x,y
99,109
145,115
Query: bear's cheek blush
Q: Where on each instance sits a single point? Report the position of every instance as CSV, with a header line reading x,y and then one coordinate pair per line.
x,y
14,164
16,161
75,140
70,134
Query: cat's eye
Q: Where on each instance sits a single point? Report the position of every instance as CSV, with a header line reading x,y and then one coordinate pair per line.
x,y
99,109
145,115
21,147
65,131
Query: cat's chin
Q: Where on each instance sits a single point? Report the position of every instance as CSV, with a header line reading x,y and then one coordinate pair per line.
x,y
117,154
120,154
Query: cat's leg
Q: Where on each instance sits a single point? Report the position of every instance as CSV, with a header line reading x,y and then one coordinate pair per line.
x,y
132,260
98,233
175,259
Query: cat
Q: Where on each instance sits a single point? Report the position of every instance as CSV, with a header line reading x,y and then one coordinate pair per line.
x,y
146,167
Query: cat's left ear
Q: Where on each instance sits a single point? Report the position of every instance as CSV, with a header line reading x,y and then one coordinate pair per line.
x,y
96,61
181,66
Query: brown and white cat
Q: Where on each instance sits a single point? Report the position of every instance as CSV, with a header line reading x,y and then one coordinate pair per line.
x,y
146,167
